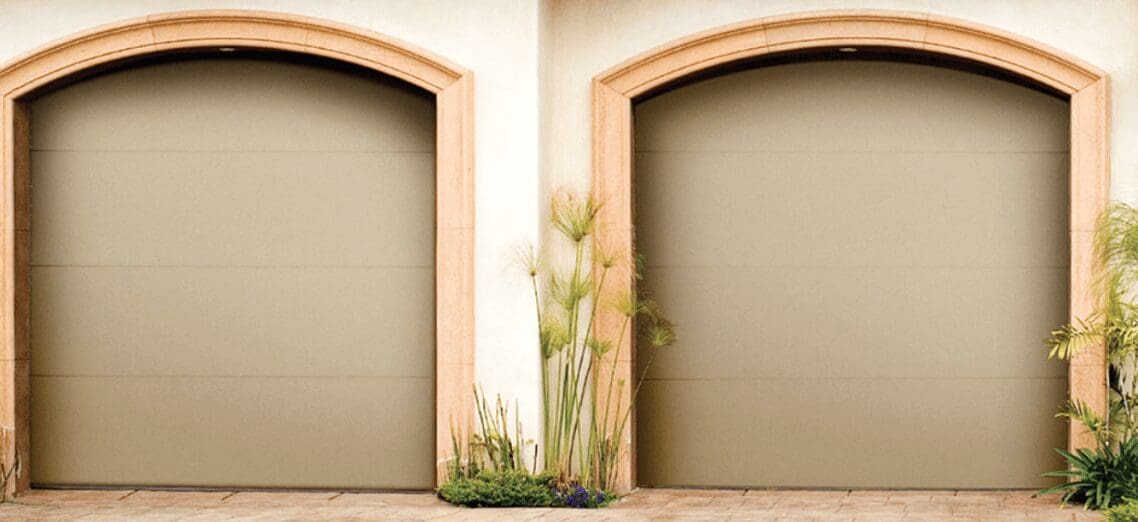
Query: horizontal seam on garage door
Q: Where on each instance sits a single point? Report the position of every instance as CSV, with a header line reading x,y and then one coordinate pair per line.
x,y
247,376
915,378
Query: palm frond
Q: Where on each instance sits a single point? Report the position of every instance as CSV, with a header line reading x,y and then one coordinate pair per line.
x,y
1083,413
1070,339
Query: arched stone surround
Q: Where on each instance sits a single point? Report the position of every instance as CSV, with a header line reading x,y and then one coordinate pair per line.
x,y
615,90
204,30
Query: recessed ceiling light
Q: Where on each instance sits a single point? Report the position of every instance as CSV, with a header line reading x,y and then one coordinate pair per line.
x,y
226,49
847,49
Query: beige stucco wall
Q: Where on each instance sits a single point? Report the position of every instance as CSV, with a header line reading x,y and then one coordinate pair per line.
x,y
533,61
593,35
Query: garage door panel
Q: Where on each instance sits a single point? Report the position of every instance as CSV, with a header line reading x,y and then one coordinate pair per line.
x,y
233,208
862,258
232,279
232,321
868,112
864,433
854,209
843,322
137,111
315,432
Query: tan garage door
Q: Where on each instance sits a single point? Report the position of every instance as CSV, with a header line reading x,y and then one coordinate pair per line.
x,y
233,279
862,258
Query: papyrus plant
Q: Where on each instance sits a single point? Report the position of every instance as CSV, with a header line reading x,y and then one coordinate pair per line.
x,y
583,424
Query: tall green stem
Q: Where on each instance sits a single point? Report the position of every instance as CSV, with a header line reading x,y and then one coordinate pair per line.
x,y
544,364
588,367
612,369
572,370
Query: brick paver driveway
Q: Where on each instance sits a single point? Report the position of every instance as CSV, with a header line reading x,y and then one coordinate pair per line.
x,y
649,504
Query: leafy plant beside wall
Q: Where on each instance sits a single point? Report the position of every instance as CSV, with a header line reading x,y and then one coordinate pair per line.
x,y
488,468
496,446
1106,475
583,422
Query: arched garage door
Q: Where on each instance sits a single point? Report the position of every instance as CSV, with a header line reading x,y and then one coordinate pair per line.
x,y
862,258
232,278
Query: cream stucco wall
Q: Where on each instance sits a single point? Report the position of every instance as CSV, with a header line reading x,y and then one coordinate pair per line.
x,y
533,61
593,35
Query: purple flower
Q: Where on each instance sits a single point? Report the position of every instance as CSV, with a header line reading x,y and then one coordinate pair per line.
x,y
578,497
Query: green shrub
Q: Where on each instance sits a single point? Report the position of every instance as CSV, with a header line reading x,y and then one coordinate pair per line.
x,y
1099,478
509,488
494,446
1125,512
487,469
1106,474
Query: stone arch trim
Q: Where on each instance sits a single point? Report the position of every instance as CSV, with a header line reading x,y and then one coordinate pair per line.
x,y
452,86
614,90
